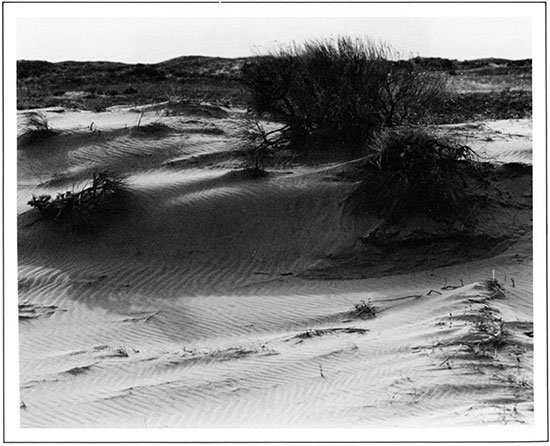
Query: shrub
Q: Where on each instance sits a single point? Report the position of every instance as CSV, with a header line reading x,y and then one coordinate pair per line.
x,y
474,106
257,146
338,94
38,129
412,170
363,310
97,105
85,210
38,121
154,128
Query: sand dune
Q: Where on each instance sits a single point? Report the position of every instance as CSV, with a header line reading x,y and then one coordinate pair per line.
x,y
194,308
506,141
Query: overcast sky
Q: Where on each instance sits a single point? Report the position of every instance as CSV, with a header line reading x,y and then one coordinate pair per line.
x,y
149,40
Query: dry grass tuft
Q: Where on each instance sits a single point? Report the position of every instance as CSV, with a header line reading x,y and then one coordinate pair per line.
x,y
38,129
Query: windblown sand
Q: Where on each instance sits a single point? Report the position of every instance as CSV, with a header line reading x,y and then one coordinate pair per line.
x,y
196,309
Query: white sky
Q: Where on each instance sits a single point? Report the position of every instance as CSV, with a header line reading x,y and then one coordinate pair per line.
x,y
155,39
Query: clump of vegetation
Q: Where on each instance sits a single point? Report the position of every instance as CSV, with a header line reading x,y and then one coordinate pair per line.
x,y
98,105
38,129
85,210
257,147
474,106
495,288
336,95
312,333
363,310
152,129
412,170
486,338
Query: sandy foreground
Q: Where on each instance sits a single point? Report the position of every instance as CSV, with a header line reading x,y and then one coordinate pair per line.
x,y
209,303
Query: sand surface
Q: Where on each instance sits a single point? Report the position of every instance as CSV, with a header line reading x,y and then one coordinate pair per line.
x,y
196,309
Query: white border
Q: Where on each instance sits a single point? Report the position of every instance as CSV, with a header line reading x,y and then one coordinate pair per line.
x,y
500,433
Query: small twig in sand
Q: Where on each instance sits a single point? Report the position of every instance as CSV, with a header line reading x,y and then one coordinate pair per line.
x,y
144,319
150,316
321,370
513,282
139,120
325,331
138,251
414,296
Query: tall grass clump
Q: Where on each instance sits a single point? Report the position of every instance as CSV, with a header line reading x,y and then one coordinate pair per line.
x,y
37,129
337,94
85,210
412,171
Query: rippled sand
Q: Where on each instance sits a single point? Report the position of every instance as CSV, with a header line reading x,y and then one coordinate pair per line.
x,y
196,310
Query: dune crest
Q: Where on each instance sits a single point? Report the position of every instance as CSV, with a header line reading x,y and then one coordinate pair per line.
x,y
216,300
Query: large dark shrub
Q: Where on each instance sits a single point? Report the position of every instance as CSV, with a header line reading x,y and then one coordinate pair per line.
x,y
338,94
412,171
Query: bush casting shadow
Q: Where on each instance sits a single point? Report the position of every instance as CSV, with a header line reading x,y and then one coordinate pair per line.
x,y
155,128
413,171
38,129
257,147
84,211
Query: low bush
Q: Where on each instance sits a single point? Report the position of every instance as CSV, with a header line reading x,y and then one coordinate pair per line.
x,y
363,310
97,104
154,128
257,146
412,170
336,95
37,129
85,210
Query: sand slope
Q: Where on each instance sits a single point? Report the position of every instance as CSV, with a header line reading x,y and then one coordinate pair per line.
x,y
197,308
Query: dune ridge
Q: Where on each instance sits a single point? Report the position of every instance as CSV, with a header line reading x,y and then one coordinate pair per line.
x,y
200,305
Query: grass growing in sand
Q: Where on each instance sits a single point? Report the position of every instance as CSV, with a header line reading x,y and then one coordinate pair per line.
x,y
364,310
86,210
155,128
38,129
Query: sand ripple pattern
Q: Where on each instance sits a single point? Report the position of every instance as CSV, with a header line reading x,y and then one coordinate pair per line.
x,y
190,311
